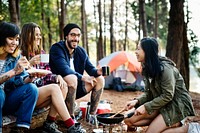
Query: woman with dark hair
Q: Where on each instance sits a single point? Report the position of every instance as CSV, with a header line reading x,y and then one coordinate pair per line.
x,y
18,96
166,101
52,92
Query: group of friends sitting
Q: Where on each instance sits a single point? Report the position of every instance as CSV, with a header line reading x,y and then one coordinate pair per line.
x,y
165,101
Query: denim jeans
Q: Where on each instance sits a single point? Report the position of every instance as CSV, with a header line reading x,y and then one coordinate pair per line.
x,y
20,102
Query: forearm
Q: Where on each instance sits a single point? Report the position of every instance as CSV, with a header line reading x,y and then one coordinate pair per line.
x,y
6,76
29,79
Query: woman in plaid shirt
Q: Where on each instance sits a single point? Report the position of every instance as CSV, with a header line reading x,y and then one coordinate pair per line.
x,y
53,89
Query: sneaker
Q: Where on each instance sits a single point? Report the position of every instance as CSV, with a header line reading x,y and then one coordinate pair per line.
x,y
50,127
18,130
93,120
76,129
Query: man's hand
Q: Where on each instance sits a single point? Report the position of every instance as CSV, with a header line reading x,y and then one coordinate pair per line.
x,y
61,82
89,79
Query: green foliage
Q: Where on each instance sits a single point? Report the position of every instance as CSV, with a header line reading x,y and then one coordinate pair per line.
x,y
194,49
4,12
150,15
32,11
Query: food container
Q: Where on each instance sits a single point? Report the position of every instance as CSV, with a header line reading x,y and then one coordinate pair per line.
x,y
103,108
83,107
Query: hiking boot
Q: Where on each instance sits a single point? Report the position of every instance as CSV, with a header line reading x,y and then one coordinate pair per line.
x,y
76,129
18,130
50,127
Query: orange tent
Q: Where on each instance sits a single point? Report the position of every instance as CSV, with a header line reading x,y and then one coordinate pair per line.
x,y
118,58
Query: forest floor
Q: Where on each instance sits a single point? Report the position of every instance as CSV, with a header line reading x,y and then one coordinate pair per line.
x,y
117,100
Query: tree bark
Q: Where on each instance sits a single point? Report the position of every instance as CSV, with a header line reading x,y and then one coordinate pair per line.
x,y
175,32
126,27
112,40
177,43
62,18
14,11
100,40
84,26
156,19
143,17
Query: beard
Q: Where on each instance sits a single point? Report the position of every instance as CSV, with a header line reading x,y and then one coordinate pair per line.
x,y
70,43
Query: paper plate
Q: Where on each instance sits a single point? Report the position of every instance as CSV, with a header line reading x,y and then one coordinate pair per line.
x,y
38,71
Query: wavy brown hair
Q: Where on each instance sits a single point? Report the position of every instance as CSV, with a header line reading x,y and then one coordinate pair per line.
x,y
27,40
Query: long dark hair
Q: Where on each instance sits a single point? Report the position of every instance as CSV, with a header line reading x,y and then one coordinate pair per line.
x,y
152,64
8,30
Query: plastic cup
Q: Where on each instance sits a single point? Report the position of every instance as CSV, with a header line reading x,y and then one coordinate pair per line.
x,y
105,70
44,58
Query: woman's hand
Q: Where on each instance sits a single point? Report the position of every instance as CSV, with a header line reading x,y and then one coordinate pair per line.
x,y
140,110
61,82
192,119
37,75
22,63
35,60
131,104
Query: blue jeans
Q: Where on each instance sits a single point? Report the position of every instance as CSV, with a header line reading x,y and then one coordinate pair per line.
x,y
19,102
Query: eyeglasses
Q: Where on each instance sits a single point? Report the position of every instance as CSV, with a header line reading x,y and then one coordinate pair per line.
x,y
75,35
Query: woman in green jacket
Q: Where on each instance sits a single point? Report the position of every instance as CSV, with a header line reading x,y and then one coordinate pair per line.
x,y
166,101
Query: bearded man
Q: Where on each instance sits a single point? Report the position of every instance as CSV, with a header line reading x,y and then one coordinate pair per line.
x,y
70,60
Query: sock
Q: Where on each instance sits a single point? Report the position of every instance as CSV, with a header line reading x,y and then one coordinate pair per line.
x,y
69,122
50,118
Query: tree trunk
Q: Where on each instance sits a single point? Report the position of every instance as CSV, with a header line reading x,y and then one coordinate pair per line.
x,y
95,18
126,26
184,69
100,41
43,21
143,17
62,18
177,43
112,47
175,32
156,19
14,11
84,26
104,39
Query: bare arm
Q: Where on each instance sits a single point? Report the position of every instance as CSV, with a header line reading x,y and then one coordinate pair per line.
x,y
21,64
6,76
192,119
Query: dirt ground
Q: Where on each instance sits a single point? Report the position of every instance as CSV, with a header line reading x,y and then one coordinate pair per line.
x,y
117,100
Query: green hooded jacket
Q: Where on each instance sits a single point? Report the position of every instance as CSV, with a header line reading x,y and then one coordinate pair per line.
x,y
168,94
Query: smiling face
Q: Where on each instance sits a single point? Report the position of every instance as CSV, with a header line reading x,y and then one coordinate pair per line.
x,y
38,36
11,44
73,38
140,53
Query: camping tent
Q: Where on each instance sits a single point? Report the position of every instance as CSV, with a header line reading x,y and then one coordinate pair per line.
x,y
122,64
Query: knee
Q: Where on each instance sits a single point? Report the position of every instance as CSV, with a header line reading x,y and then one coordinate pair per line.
x,y
71,81
33,89
101,81
55,88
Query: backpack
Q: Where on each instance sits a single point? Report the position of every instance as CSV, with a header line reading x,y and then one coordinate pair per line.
x,y
117,84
